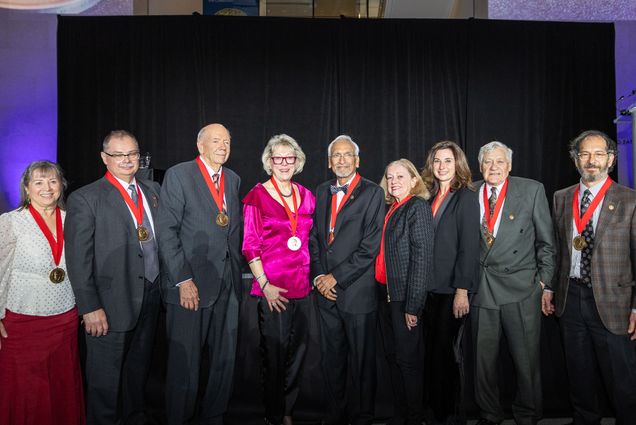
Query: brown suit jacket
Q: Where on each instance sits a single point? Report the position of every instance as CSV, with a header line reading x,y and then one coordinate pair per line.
x,y
613,258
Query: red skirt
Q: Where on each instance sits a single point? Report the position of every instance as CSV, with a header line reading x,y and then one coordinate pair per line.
x,y
40,376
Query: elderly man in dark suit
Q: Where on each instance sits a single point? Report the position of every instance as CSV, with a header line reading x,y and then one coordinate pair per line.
x,y
594,288
200,226
111,253
517,257
344,242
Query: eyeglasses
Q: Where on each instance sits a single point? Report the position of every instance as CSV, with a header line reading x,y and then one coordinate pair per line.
x,y
346,155
289,160
119,157
584,156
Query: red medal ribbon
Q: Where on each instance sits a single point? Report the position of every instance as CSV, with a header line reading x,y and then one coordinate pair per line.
x,y
138,210
336,210
216,194
293,216
500,199
579,221
56,245
380,264
438,202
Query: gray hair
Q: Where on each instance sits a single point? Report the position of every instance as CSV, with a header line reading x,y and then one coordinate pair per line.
x,y
283,140
118,134
44,167
489,147
346,138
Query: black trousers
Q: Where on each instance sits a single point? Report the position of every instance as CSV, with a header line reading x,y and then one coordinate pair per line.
x,y
403,351
117,367
348,345
188,332
589,349
443,359
283,348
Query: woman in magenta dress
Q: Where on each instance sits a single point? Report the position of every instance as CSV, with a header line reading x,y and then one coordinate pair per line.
x,y
40,377
278,219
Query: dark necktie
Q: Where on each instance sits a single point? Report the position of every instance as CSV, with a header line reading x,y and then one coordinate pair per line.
x,y
492,202
149,247
335,189
585,267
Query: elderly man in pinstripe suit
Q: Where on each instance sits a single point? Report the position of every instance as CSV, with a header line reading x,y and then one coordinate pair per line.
x,y
594,288
200,246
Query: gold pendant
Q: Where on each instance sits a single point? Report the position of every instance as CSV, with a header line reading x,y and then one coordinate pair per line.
x,y
222,219
57,275
490,239
142,233
579,243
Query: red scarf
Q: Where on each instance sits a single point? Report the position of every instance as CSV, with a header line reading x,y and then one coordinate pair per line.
x,y
380,264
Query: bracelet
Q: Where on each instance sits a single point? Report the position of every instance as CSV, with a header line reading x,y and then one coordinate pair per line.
x,y
264,285
257,278
255,259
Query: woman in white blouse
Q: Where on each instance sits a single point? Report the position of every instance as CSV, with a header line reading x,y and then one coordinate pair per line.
x,y
40,376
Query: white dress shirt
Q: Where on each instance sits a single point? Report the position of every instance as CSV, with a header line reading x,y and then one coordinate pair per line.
x,y
482,209
575,261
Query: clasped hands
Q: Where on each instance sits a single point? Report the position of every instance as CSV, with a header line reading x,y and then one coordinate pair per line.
x,y
326,285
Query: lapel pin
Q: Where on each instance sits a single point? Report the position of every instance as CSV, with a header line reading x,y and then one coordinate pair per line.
x,y
155,202
511,216
611,207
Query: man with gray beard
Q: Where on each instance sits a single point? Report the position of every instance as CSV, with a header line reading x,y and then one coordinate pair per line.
x,y
594,287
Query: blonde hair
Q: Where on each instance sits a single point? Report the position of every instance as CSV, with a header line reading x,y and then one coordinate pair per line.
x,y
419,189
283,140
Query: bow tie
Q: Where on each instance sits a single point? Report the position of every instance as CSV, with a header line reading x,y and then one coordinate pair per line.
x,y
335,189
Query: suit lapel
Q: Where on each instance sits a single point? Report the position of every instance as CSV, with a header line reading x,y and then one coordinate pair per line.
x,y
508,213
202,187
151,197
342,215
567,216
442,208
118,205
229,192
611,203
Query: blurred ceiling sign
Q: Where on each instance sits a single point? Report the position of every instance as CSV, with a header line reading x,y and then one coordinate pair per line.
x,y
49,6
230,8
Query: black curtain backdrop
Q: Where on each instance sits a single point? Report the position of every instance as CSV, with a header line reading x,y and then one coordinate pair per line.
x,y
395,86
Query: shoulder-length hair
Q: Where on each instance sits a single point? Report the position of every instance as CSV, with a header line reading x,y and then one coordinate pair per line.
x,y
43,168
463,175
419,189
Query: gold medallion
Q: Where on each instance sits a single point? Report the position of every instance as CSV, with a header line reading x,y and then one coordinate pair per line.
x,y
142,233
490,239
57,275
579,243
222,219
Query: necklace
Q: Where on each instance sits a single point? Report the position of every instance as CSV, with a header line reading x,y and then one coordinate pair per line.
x,y
290,194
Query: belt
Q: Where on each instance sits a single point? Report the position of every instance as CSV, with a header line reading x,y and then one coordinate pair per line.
x,y
580,282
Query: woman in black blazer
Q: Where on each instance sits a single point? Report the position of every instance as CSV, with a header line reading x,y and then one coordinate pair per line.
x,y
403,269
455,272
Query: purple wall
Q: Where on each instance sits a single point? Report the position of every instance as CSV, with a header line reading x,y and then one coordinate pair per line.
x,y
623,13
28,100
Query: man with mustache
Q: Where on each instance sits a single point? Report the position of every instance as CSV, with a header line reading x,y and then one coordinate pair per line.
x,y
113,266
594,288
200,237
517,257
343,244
